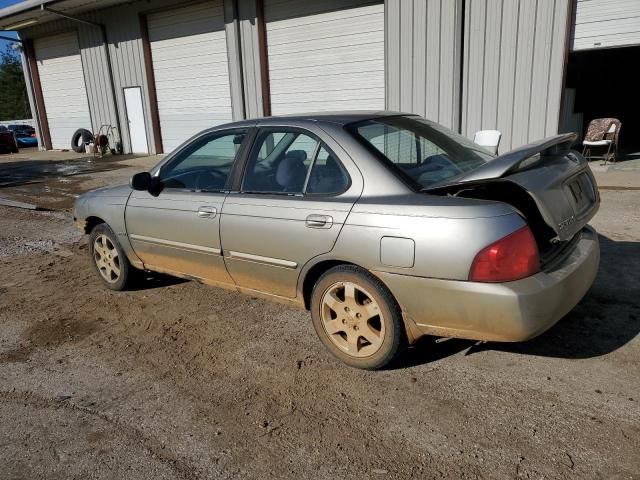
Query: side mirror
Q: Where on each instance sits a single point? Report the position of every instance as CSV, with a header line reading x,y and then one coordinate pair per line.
x,y
141,181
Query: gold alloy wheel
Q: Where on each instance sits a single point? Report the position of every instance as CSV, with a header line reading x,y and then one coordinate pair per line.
x,y
107,259
352,319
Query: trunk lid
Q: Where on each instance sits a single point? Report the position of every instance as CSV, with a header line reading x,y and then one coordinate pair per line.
x,y
555,177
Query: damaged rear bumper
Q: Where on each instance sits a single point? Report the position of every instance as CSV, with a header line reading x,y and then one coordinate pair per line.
x,y
509,312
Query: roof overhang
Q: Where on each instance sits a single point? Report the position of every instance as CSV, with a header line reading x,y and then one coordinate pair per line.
x,y
30,12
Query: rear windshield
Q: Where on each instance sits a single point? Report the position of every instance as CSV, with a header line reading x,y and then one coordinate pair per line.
x,y
422,152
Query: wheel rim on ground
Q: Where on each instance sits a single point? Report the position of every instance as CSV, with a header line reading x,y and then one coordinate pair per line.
x,y
352,319
107,259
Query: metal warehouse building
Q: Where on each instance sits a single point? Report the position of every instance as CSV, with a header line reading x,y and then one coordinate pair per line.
x,y
162,70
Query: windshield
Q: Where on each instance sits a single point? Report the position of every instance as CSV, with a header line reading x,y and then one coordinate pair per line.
x,y
423,152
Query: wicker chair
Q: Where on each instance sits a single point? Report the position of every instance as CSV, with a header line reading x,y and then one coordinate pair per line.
x,y
602,132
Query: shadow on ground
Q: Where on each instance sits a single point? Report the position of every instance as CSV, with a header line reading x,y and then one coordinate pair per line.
x,y
606,319
151,280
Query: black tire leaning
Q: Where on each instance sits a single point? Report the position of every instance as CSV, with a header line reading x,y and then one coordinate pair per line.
x,y
127,271
395,338
81,134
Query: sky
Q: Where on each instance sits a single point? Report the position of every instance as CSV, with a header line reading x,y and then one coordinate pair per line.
x,y
6,3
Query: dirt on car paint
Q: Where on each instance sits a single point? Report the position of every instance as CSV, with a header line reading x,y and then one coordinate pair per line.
x,y
180,380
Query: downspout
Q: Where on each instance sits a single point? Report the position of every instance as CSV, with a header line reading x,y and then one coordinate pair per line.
x,y
103,30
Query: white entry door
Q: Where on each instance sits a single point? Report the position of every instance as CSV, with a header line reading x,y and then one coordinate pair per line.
x,y
135,120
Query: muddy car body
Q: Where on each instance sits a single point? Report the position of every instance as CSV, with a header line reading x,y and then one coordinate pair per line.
x,y
386,226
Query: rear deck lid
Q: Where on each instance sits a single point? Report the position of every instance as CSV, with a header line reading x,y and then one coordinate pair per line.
x,y
558,179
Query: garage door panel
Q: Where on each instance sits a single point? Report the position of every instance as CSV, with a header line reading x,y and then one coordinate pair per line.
x,y
63,87
606,23
196,19
339,94
330,83
318,57
328,70
190,66
358,103
174,60
360,23
278,10
329,41
190,46
322,57
195,102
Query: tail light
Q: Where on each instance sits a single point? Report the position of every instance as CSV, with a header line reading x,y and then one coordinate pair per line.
x,y
510,258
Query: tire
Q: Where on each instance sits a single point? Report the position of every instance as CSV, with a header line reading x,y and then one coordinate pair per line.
x,y
109,260
363,329
79,139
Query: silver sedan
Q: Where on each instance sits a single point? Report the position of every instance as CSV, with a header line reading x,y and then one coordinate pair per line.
x,y
386,226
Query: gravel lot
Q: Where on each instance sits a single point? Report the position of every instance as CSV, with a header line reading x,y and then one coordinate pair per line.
x,y
180,380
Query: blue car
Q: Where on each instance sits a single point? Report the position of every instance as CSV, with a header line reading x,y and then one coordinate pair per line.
x,y
25,135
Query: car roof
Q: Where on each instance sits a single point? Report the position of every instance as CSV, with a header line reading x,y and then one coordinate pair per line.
x,y
337,117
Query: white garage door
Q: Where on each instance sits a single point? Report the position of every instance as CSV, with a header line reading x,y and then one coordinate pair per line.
x,y
606,23
323,58
189,52
63,87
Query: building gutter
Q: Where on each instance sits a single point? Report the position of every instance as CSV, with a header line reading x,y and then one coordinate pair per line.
x,y
103,30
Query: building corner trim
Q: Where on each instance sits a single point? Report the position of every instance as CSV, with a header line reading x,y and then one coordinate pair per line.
x,y
41,114
264,59
151,85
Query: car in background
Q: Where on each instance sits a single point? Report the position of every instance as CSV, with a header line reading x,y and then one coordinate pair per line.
x,y
25,135
386,226
8,142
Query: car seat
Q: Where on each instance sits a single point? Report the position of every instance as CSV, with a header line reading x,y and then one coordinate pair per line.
x,y
292,171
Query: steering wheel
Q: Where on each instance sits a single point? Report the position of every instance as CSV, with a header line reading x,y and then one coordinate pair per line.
x,y
216,177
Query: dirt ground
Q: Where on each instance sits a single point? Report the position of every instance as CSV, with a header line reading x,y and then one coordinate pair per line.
x,y
180,380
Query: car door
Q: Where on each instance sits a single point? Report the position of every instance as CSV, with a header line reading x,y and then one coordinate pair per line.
x,y
294,197
175,227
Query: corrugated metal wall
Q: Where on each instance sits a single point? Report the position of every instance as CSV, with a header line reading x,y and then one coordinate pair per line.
x,y
606,23
508,75
423,40
513,66
92,54
125,45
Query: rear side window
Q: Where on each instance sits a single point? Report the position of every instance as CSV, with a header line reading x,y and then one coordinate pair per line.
x,y
293,162
328,176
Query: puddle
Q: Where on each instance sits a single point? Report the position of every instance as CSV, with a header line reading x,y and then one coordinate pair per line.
x,y
21,172
52,184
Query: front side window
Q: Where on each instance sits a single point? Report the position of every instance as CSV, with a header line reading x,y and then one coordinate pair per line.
x,y
292,162
205,165
423,152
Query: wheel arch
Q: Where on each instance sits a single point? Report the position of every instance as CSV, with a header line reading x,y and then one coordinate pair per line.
x,y
314,273
92,222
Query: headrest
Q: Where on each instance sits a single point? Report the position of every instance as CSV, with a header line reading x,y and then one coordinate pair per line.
x,y
291,171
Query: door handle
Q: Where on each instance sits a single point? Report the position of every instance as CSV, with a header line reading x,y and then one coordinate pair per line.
x,y
319,221
207,212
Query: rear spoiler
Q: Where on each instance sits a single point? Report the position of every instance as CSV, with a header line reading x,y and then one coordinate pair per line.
x,y
503,164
